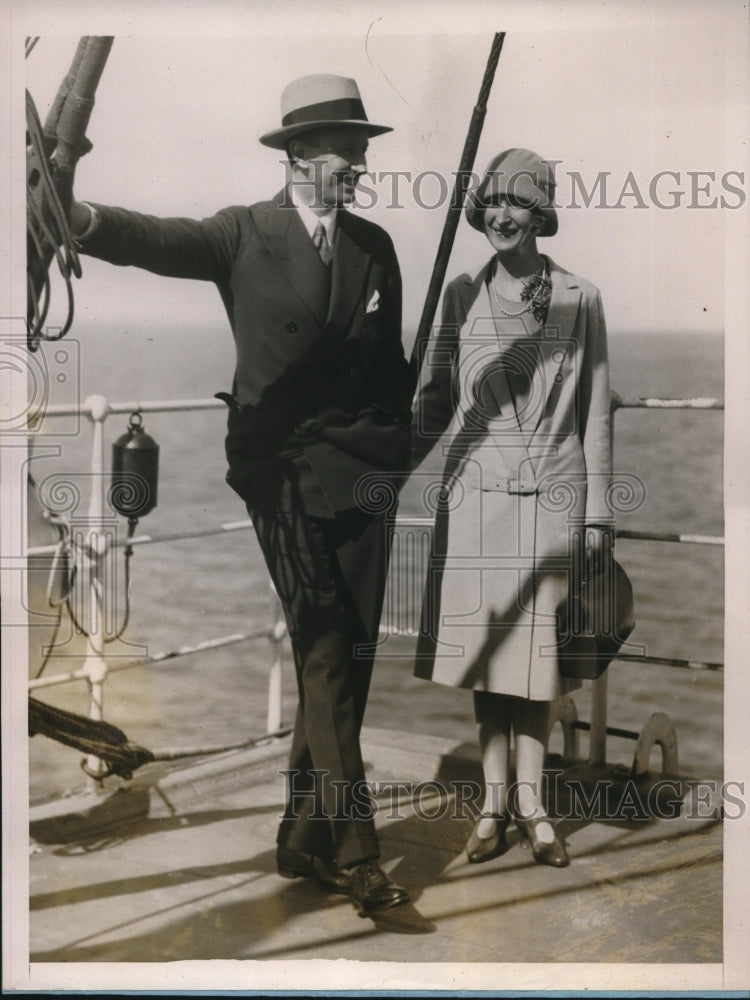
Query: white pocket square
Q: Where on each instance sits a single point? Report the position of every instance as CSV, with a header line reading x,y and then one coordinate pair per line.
x,y
374,304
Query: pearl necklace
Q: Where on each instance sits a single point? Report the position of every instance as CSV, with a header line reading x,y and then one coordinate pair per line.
x,y
529,305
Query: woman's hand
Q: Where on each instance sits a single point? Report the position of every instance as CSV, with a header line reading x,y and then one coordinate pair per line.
x,y
600,541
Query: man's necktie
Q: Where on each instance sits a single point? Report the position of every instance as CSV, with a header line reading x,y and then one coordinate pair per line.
x,y
320,240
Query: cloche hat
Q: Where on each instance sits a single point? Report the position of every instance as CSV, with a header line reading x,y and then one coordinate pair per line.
x,y
315,101
523,175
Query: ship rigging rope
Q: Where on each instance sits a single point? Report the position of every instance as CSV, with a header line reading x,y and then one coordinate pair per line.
x,y
48,234
101,739
63,553
132,523
52,152
95,737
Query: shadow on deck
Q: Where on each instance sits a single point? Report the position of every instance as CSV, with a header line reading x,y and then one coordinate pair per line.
x,y
180,865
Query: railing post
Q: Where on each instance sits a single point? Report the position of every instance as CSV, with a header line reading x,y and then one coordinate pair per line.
x,y
95,550
276,637
598,735
409,559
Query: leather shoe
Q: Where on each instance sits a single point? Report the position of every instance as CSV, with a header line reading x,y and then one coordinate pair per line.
x,y
372,890
325,873
545,852
480,849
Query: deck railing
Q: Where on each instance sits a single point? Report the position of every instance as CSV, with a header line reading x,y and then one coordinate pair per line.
x,y
93,543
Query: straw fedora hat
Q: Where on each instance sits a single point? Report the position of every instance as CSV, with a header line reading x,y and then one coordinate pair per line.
x,y
523,175
316,101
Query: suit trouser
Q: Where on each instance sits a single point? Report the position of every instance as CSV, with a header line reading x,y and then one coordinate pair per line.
x,y
330,576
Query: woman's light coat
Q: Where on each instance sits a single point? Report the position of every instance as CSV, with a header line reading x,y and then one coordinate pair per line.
x,y
520,480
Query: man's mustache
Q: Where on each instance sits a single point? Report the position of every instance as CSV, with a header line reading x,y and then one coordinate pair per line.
x,y
352,176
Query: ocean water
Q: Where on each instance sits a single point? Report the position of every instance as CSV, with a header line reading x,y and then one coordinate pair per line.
x,y
189,591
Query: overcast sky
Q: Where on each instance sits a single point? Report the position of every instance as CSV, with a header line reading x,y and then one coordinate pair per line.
x,y
617,93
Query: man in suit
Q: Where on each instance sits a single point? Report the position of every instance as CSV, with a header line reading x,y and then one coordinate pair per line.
x,y
317,435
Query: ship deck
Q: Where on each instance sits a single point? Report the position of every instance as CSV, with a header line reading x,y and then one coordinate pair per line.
x,y
176,868
179,865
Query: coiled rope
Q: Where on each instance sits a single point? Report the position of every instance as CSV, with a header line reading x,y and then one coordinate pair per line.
x,y
48,235
51,155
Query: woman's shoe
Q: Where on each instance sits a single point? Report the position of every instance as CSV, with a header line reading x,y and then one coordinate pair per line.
x,y
481,849
545,852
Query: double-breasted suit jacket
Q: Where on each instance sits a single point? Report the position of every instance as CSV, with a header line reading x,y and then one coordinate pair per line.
x,y
527,463
321,376
319,418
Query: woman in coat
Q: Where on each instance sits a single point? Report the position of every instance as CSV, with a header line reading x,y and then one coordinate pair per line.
x,y
517,377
